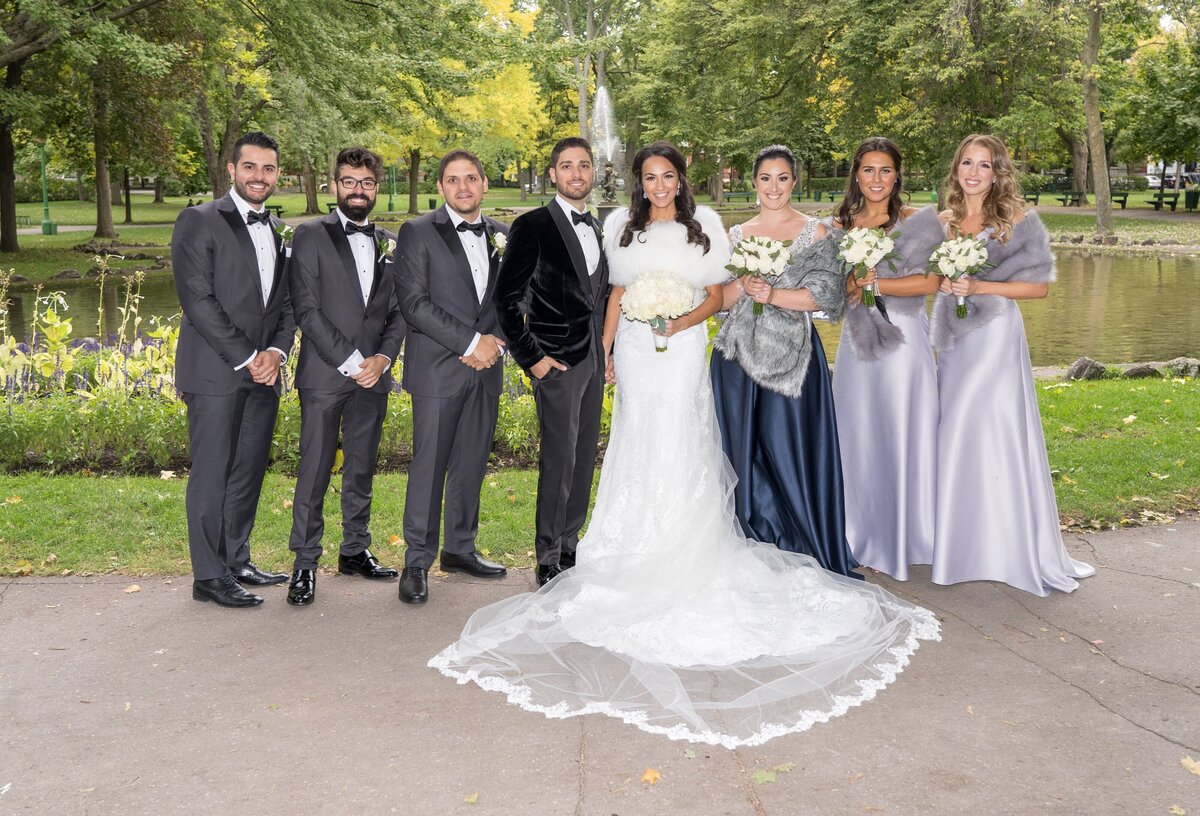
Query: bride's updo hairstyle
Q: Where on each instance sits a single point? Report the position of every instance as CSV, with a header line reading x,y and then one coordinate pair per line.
x,y
776,151
1003,203
853,202
685,204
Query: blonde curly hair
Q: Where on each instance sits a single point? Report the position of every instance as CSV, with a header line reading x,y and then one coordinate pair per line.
x,y
1003,205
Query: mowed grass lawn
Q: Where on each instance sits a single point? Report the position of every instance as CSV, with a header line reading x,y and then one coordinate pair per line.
x,y
1121,452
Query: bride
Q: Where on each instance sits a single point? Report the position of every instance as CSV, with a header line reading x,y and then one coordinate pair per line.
x,y
672,620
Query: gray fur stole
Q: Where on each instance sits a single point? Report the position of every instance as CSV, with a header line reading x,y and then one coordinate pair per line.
x,y
869,334
1026,257
774,347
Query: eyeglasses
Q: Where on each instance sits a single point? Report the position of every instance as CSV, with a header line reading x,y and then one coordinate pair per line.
x,y
350,183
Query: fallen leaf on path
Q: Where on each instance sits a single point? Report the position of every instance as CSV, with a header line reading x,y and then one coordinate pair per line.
x,y
128,706
13,500
132,588
53,606
50,559
393,539
1096,642
971,710
763,777
1191,764
472,799
1176,810
651,776
166,474
689,753
1129,420
287,504
786,767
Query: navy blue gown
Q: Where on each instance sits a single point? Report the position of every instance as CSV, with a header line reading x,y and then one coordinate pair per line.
x,y
786,456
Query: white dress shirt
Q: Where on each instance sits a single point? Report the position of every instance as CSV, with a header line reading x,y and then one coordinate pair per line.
x,y
476,249
588,240
362,247
263,238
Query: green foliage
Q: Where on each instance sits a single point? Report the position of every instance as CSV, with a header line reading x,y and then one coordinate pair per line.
x,y
1032,182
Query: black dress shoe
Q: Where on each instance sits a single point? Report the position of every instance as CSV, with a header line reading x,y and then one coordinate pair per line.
x,y
547,573
414,585
249,574
566,560
473,564
303,589
224,591
364,564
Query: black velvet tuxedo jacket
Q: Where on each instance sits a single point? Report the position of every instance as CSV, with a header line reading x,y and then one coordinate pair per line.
x,y
328,304
546,303
441,307
224,319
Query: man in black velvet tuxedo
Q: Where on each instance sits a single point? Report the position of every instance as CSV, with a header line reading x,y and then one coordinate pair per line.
x,y
236,331
446,265
344,297
550,300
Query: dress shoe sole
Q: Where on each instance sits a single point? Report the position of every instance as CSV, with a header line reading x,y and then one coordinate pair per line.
x,y
475,573
306,602
345,571
414,601
256,582
200,596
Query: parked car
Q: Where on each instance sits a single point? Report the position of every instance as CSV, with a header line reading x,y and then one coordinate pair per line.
x,y
1155,182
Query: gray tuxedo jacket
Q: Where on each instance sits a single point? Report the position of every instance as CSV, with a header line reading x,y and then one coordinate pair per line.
x,y
328,304
224,319
440,306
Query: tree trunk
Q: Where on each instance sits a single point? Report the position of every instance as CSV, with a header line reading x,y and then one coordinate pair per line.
x,y
208,145
128,198
104,216
308,177
80,187
414,168
8,169
1079,162
1095,130
115,195
525,178
160,189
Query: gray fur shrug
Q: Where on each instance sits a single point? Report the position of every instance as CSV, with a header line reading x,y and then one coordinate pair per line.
x,y
1026,257
868,333
774,347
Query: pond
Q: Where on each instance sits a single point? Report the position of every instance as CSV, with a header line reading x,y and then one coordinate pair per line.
x,y
1113,308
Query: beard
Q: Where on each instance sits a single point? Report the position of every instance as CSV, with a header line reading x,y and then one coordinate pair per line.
x,y
356,207
571,195
249,197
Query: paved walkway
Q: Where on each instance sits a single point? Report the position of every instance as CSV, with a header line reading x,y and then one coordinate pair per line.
x,y
147,702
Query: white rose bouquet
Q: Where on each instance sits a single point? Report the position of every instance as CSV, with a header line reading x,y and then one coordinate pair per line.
x,y
759,256
863,249
956,257
655,298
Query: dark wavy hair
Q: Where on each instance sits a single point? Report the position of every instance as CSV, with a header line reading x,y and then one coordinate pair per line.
x,y
255,138
359,157
685,204
854,201
775,151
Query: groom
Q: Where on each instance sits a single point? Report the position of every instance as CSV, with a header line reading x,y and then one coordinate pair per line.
x,y
550,298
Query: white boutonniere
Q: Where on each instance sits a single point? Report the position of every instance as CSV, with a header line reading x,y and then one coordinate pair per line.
x,y
386,247
499,242
285,233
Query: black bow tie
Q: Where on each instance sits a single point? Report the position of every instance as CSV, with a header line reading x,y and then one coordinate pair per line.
x,y
578,218
477,228
262,217
366,229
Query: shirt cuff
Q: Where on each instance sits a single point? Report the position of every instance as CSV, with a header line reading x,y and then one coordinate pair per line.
x,y
283,358
471,348
249,360
352,365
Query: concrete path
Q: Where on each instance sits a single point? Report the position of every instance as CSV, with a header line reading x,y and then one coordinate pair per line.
x,y
113,701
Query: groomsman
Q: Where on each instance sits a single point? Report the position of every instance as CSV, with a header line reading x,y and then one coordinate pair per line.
x,y
236,331
550,301
447,262
344,297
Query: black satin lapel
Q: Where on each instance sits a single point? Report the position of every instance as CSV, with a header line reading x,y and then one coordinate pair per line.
x,y
571,239
240,230
493,261
341,243
280,257
378,263
450,237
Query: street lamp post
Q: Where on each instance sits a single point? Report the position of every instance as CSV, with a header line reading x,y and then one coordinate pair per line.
x,y
48,226
392,189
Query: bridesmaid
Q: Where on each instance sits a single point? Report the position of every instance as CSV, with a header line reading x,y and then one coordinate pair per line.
x,y
996,517
784,449
884,382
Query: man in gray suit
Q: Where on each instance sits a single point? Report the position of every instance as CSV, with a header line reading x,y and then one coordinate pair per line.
x,y
344,298
446,265
236,331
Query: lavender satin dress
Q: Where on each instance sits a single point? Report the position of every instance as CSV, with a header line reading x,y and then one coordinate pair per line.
x,y
996,516
887,416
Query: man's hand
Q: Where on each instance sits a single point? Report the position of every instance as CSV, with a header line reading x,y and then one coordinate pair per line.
x,y
487,350
370,370
542,367
264,368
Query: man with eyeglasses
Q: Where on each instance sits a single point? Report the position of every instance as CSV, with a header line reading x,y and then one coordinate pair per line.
x,y
446,265
344,299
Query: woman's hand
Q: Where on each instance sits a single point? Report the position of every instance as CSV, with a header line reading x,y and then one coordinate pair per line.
x,y
610,369
675,326
759,289
966,285
945,287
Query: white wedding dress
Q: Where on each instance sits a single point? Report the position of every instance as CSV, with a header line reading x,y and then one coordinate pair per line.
x,y
672,620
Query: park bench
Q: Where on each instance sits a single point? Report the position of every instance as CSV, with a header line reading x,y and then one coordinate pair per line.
x,y
1073,198
1119,197
24,221
1160,198
835,195
331,206
1032,198
738,195
275,208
